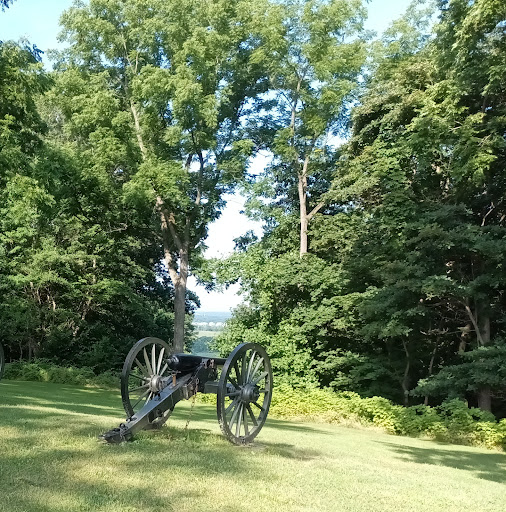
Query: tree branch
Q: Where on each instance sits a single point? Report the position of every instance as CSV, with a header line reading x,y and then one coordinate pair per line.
x,y
138,133
315,210
475,324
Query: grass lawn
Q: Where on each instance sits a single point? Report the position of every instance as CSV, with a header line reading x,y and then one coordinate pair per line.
x,y
50,460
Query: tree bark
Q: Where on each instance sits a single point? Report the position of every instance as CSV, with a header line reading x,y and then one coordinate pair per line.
x,y
431,366
179,277
405,377
303,208
180,302
485,398
485,393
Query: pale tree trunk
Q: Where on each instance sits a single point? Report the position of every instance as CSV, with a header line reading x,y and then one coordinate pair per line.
x,y
304,216
179,276
180,305
431,366
482,328
405,377
302,186
485,393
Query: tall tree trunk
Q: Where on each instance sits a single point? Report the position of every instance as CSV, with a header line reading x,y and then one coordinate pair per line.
x,y
179,276
431,366
485,393
485,398
180,302
305,217
481,325
405,377
302,186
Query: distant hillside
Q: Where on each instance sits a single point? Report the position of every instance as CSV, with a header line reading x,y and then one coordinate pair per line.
x,y
213,316
208,325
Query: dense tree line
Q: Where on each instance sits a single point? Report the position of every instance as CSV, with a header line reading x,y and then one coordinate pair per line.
x,y
400,291
381,266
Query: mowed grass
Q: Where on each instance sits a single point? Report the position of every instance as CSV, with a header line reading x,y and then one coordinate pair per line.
x,y
51,460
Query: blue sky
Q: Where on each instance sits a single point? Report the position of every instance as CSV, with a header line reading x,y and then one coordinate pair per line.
x,y
37,21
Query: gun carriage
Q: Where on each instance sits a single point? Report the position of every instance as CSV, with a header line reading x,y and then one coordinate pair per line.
x,y
153,380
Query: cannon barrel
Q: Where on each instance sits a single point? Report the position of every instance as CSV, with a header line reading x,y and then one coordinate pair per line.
x,y
185,363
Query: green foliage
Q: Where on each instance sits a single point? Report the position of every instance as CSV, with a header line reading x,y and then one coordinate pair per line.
x,y
452,422
483,367
406,264
45,371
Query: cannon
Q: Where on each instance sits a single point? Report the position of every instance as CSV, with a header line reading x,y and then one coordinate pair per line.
x,y
153,380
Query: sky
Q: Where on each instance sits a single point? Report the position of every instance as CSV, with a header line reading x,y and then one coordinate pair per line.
x,y
38,21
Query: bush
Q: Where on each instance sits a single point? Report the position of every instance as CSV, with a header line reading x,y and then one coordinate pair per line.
x,y
452,422
44,371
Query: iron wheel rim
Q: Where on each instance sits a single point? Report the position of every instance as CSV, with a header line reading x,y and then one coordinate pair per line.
x,y
244,393
144,364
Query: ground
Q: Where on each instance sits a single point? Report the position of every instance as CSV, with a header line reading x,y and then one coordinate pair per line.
x,y
51,460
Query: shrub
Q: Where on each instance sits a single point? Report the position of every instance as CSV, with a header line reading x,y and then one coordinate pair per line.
x,y
452,422
44,371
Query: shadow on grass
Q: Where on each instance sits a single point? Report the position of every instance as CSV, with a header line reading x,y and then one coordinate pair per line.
x,y
49,454
78,400
487,466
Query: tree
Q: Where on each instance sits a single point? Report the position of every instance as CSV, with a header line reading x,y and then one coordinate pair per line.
x,y
313,55
424,163
79,269
183,73
5,4
408,260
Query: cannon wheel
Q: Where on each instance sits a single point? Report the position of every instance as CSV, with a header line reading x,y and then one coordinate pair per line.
x,y
144,365
2,361
244,393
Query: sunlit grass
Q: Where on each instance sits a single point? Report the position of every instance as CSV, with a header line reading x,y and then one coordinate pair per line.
x,y
51,460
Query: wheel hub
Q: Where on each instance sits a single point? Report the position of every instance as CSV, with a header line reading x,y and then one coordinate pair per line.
x,y
249,393
156,384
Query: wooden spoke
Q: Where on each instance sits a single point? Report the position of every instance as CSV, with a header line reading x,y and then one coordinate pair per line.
x,y
234,415
257,367
238,374
250,365
243,370
258,379
138,388
165,366
140,398
258,405
251,415
137,376
245,421
160,361
141,366
232,404
233,382
238,425
148,365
